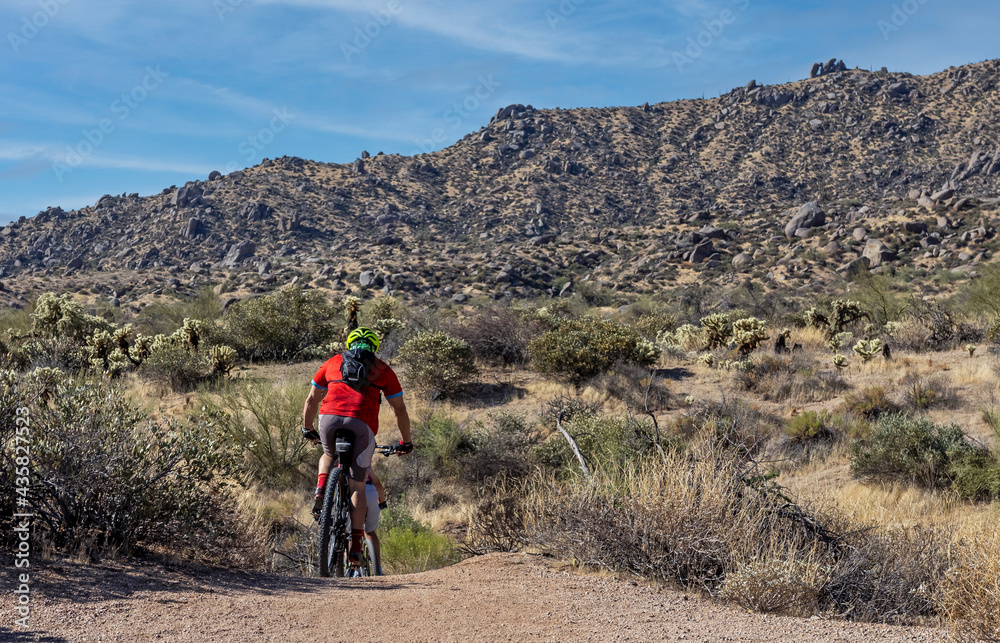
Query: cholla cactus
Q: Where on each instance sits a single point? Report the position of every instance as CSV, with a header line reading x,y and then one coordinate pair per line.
x,y
688,337
64,317
192,330
749,334
648,352
352,306
707,359
384,327
140,349
839,340
892,328
971,349
223,359
845,312
866,350
743,365
689,400
718,330
816,319
840,362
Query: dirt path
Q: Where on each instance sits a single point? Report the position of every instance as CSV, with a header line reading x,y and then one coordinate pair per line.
x,y
501,597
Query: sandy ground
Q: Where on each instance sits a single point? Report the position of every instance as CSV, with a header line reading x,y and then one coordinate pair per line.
x,y
500,597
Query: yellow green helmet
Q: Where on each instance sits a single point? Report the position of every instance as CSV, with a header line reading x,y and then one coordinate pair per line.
x,y
362,334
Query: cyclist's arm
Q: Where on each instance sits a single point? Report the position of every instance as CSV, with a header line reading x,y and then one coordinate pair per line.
x,y
377,484
312,406
402,417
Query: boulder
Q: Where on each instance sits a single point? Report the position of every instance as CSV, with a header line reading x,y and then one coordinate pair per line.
x,y
852,268
926,202
877,253
742,261
701,252
859,233
809,215
237,253
915,227
188,196
255,211
942,195
192,229
566,290
214,175
711,232
75,264
371,279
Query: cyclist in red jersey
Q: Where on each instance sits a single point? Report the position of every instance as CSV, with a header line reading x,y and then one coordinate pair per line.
x,y
344,404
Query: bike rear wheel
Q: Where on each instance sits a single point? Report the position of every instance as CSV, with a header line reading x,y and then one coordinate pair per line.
x,y
333,529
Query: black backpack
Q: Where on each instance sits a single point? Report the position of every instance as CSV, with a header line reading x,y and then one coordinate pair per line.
x,y
356,367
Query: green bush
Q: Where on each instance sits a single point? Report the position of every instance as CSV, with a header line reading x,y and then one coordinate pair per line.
x,y
410,546
653,324
500,335
582,348
442,442
604,442
502,445
173,361
280,326
807,426
162,318
105,477
263,419
437,362
911,449
870,403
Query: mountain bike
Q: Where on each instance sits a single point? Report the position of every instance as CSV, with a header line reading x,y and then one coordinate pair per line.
x,y
335,516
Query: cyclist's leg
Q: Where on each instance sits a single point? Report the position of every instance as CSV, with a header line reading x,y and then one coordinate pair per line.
x,y
371,524
326,429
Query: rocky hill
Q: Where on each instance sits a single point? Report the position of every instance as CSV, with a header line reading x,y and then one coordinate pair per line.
x,y
789,184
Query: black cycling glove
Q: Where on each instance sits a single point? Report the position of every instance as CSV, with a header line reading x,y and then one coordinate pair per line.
x,y
383,505
310,434
404,447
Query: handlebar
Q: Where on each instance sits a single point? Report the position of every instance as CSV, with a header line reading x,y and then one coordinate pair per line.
x,y
385,449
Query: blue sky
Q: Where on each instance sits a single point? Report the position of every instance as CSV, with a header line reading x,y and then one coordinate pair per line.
x,y
107,96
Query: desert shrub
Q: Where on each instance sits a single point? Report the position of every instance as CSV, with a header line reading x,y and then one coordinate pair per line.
x,y
262,419
410,546
922,393
639,388
500,335
582,348
174,362
976,475
712,518
870,403
437,362
281,325
775,585
911,449
685,338
603,441
162,318
970,593
653,324
794,377
807,426
442,442
108,478
502,445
